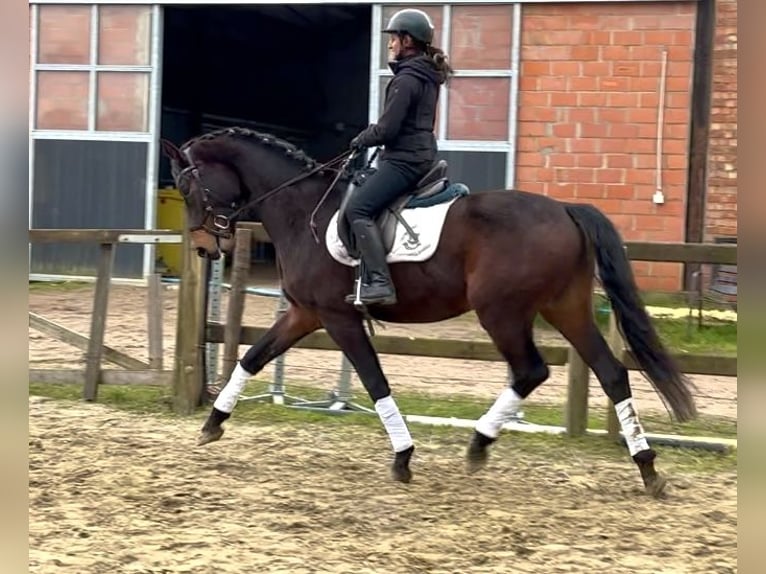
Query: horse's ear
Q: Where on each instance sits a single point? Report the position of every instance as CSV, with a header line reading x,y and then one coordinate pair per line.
x,y
172,152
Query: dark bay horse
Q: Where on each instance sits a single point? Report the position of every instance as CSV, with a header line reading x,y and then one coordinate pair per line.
x,y
506,254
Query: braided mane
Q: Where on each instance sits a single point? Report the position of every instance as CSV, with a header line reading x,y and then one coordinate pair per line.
x,y
268,140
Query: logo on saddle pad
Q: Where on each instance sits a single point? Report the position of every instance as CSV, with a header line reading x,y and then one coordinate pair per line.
x,y
417,241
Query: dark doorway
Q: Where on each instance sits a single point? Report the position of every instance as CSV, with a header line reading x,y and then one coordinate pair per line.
x,y
300,72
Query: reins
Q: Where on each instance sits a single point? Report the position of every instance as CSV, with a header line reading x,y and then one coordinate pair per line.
x,y
300,177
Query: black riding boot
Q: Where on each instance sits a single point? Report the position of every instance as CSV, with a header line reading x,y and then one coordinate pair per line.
x,y
380,288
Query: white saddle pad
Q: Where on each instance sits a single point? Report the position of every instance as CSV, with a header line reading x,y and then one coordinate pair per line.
x,y
426,222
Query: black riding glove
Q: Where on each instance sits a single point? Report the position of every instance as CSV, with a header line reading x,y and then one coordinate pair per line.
x,y
356,144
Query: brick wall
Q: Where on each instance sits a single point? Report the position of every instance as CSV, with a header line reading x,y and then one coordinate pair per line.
x,y
588,103
721,204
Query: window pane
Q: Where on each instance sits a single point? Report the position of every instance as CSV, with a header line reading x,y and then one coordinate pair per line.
x,y
64,35
122,101
481,37
434,12
62,100
478,109
124,35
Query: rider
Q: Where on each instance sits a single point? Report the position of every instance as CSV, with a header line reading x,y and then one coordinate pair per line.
x,y
405,129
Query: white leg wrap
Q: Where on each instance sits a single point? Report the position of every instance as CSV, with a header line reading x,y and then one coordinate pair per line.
x,y
631,427
229,395
506,405
395,426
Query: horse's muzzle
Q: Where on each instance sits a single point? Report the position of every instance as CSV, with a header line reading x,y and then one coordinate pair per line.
x,y
202,252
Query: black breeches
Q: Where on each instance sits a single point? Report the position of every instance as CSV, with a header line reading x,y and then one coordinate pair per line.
x,y
386,185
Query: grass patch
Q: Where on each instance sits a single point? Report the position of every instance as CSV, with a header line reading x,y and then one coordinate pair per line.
x,y
157,401
716,337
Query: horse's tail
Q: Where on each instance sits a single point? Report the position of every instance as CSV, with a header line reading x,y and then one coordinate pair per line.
x,y
617,278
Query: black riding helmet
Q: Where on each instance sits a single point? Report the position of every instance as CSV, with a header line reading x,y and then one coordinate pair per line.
x,y
416,23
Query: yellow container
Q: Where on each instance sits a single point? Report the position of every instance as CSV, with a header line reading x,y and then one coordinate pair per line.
x,y
170,215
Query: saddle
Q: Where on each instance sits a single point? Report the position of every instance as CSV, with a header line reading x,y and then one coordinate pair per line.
x,y
428,191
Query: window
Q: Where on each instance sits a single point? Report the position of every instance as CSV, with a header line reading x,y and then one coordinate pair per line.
x,y
93,68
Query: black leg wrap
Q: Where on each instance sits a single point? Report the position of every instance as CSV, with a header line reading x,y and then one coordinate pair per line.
x,y
481,440
217,417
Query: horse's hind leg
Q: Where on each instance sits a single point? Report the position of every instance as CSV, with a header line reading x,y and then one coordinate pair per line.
x,y
295,324
573,317
512,335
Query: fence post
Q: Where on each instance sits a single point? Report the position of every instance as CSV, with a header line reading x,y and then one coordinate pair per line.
x,y
154,321
614,338
98,322
578,375
214,314
189,371
240,271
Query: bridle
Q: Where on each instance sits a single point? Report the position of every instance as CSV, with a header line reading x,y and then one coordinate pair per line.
x,y
219,225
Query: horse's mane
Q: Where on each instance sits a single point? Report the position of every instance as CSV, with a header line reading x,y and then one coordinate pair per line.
x,y
269,140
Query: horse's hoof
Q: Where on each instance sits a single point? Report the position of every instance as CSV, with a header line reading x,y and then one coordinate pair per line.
x,y
477,454
476,458
400,469
655,486
209,435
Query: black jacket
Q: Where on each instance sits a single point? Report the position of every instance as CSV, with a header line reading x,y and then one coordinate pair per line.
x,y
406,127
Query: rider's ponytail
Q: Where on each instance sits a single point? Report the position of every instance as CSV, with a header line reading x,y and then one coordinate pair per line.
x,y
441,60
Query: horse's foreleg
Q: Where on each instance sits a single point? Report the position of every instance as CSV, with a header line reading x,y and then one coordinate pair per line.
x,y
295,324
348,332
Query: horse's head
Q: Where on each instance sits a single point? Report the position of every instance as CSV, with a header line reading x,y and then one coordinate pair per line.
x,y
212,193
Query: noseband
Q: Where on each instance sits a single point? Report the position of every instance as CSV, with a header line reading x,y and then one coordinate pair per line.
x,y
213,223
220,225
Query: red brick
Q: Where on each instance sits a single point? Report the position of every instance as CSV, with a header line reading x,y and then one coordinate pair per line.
x,y
592,98
585,145
619,160
611,115
627,38
619,191
582,84
535,68
588,130
615,83
527,159
562,160
590,190
574,175
623,131
626,69
584,53
536,99
607,175
623,99
590,160
565,68
565,130
563,99
552,83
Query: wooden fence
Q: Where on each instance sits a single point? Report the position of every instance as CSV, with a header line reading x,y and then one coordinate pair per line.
x,y
193,331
